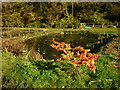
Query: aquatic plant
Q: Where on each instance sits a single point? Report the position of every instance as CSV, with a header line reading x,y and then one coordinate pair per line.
x,y
76,56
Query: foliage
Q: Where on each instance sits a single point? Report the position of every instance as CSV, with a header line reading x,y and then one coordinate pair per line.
x,y
13,20
58,14
78,57
21,73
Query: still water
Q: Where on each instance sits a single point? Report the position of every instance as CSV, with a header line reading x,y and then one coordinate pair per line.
x,y
77,38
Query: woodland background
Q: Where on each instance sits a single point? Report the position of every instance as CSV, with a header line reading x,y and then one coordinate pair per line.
x,y
59,14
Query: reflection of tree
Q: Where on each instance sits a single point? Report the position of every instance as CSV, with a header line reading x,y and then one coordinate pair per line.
x,y
43,47
84,39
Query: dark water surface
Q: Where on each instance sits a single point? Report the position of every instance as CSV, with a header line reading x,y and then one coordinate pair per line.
x,y
77,38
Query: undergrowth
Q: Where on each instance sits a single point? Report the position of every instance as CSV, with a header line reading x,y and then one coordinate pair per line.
x,y
22,73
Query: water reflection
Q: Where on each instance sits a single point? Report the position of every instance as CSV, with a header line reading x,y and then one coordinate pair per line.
x,y
76,38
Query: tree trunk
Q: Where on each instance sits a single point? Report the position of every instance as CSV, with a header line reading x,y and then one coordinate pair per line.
x,y
66,10
103,25
72,14
93,25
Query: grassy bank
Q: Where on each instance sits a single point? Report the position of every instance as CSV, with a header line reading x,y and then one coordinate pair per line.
x,y
21,34
23,31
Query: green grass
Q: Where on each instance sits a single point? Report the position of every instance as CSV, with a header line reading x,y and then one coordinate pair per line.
x,y
21,73
20,31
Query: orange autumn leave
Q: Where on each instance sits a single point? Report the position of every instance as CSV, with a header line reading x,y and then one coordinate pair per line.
x,y
76,56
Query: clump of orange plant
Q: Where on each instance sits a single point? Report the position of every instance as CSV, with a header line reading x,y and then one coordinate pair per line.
x,y
76,56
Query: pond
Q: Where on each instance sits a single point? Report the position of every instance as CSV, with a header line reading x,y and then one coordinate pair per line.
x,y
76,38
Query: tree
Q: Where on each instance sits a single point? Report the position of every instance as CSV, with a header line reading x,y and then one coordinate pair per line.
x,y
58,14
